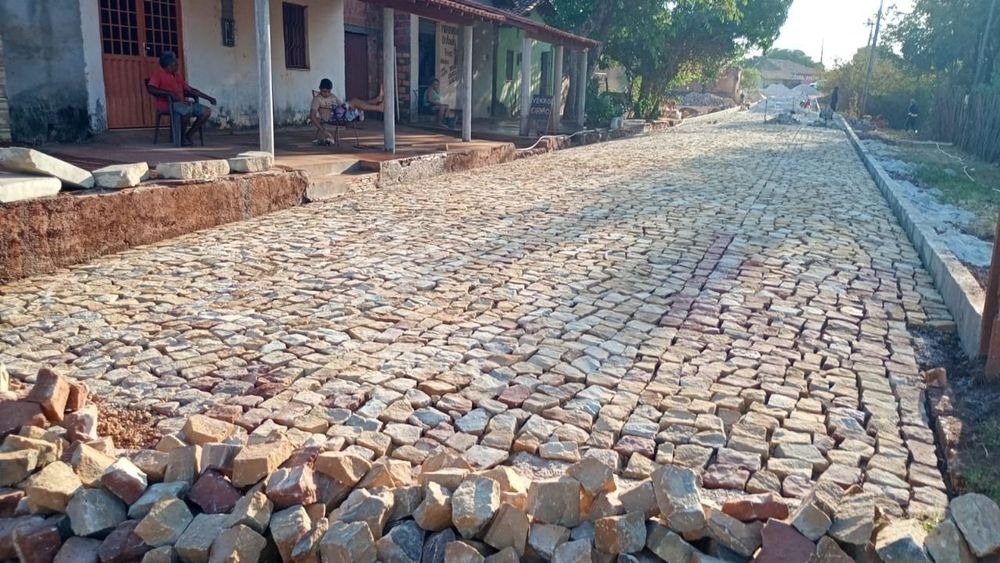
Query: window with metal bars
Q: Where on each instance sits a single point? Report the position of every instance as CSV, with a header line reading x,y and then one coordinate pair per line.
x,y
161,27
119,28
296,39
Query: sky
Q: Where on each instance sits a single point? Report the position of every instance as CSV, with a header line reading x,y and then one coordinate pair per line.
x,y
837,27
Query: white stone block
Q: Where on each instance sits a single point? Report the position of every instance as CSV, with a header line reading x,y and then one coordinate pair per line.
x,y
15,187
121,175
30,161
194,170
253,161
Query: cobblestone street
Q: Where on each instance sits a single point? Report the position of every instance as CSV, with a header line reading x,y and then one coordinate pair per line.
x,y
727,296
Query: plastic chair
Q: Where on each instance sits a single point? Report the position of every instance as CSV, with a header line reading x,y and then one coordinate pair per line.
x,y
174,120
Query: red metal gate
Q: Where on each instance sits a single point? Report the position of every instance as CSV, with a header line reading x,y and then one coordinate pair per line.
x,y
133,34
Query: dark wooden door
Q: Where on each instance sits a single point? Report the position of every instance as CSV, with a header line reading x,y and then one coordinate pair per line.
x,y
356,54
133,34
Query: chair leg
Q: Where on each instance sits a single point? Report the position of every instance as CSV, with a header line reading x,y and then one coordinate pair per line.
x,y
175,128
156,131
357,140
336,135
201,134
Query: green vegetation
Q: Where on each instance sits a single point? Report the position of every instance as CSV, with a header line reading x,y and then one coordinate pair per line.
x,y
943,37
892,86
794,55
661,43
940,169
979,471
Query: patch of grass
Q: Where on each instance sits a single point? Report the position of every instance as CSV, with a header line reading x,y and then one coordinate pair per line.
x,y
980,471
931,522
939,169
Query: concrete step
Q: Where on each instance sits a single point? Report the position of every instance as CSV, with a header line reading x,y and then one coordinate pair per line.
x,y
332,186
320,169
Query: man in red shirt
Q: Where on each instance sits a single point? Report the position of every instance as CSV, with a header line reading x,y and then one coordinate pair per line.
x,y
167,83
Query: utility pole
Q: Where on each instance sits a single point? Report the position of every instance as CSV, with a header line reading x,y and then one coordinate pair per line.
x,y
982,44
871,59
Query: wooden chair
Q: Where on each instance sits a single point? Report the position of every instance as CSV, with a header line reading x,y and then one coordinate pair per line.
x,y
176,129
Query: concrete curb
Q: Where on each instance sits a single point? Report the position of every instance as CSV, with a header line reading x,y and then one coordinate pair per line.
x,y
960,290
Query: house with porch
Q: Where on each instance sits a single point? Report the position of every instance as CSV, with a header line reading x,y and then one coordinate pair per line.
x,y
76,67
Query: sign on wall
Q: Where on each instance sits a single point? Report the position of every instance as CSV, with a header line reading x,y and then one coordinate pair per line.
x,y
540,112
447,63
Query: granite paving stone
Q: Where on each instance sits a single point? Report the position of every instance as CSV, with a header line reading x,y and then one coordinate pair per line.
x,y
730,297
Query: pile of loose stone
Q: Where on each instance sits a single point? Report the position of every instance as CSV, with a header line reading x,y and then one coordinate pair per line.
x,y
213,493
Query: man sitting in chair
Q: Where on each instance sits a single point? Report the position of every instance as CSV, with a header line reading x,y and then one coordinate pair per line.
x,y
326,109
173,92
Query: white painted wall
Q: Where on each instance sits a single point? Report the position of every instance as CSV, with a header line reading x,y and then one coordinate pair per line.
x,y
482,69
230,73
93,67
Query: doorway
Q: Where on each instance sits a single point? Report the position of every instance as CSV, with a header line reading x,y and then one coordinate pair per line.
x,y
133,35
356,73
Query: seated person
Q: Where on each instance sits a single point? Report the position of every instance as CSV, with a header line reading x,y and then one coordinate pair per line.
x,y
173,92
432,99
327,109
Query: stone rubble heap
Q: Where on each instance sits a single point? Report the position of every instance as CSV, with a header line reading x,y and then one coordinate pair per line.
x,y
699,99
213,493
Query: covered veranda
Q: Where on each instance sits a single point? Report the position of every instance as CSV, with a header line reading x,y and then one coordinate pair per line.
x,y
462,13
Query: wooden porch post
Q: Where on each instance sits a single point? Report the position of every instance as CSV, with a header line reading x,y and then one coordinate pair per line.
x,y
467,86
414,67
265,103
557,76
526,46
389,76
581,91
338,51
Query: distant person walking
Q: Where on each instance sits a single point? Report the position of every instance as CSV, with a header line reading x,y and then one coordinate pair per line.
x,y
912,113
834,99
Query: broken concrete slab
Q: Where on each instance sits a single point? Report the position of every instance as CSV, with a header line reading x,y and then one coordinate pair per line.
x,y
121,175
192,170
251,161
30,161
18,187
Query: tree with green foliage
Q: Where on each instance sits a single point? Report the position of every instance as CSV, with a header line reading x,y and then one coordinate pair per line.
x,y
944,37
794,55
659,42
892,85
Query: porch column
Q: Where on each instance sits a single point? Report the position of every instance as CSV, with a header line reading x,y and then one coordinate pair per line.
x,y
389,76
338,51
526,45
467,85
265,103
581,92
557,89
414,67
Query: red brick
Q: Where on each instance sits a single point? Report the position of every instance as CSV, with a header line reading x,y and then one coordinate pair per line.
x,y
51,392
15,414
214,493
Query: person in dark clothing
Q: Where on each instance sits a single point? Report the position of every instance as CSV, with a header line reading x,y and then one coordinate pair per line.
x,y
912,113
834,99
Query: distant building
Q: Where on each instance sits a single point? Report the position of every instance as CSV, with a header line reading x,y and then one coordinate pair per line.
x,y
789,73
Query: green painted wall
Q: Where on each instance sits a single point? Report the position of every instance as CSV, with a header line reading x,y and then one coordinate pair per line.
x,y
508,91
